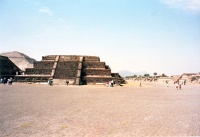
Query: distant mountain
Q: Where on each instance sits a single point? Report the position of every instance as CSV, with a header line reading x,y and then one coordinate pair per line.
x,y
125,73
19,59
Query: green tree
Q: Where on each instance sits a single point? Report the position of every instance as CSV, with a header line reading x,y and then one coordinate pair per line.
x,y
154,73
163,75
146,75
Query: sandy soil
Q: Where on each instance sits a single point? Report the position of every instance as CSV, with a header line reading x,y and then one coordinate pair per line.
x,y
98,111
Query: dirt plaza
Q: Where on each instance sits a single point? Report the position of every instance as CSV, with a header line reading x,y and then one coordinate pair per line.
x,y
97,111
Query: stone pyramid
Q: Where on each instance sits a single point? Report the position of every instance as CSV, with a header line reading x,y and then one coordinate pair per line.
x,y
19,59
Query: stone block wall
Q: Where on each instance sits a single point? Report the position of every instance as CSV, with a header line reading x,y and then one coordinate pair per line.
x,y
49,57
94,71
94,65
64,74
31,71
91,58
32,79
43,64
94,80
72,65
99,72
67,69
68,58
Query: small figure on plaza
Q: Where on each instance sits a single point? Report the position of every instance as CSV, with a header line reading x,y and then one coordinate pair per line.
x,y
112,83
184,82
177,85
67,82
50,82
167,85
4,81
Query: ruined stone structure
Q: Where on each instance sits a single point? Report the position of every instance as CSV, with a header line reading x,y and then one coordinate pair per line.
x,y
7,68
75,69
189,78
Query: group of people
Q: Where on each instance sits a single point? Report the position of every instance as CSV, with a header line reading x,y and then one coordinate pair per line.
x,y
50,82
177,84
112,83
6,81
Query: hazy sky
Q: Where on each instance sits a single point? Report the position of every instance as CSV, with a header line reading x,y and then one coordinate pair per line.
x,y
160,36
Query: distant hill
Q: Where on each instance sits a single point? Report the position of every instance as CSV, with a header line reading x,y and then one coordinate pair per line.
x,y
19,59
125,73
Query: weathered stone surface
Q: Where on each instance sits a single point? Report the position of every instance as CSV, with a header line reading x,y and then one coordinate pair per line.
x,y
68,65
83,69
94,65
21,60
64,73
31,71
96,71
43,64
93,80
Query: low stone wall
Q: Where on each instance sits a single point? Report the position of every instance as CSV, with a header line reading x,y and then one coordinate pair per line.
x,y
33,79
68,58
49,57
91,58
94,80
103,80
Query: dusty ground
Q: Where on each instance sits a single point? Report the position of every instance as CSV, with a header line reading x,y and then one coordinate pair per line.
x,y
98,111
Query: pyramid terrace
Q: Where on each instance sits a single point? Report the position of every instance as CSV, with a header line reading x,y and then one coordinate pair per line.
x,y
78,70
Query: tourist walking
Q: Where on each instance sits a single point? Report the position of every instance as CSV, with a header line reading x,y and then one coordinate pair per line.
x,y
177,85
50,82
107,84
111,83
4,81
10,81
184,82
167,83
67,82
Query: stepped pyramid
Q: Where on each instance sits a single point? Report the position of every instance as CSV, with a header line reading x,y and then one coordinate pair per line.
x,y
73,68
21,60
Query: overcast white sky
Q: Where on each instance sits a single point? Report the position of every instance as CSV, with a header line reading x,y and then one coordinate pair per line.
x,y
160,36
